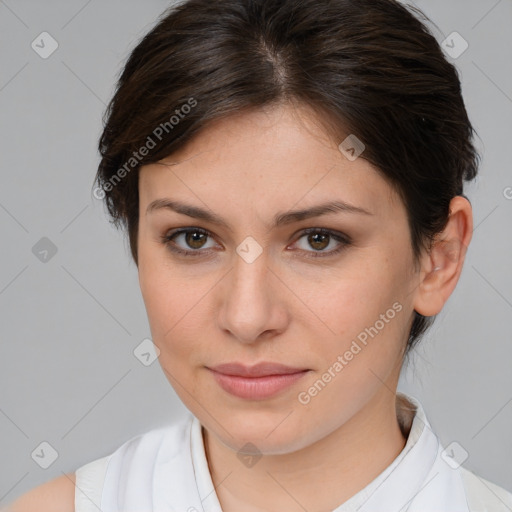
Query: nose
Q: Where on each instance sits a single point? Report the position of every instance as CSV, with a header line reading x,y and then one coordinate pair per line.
x,y
251,306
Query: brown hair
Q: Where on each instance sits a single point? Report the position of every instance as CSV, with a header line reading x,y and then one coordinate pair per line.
x,y
370,67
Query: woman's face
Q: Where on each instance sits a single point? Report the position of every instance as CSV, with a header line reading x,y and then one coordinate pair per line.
x,y
254,286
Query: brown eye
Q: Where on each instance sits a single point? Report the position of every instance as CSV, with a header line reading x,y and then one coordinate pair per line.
x,y
318,241
195,239
189,241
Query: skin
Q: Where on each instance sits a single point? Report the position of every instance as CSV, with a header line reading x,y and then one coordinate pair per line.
x,y
57,495
287,307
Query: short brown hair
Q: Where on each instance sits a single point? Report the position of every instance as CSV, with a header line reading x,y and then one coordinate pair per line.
x,y
370,67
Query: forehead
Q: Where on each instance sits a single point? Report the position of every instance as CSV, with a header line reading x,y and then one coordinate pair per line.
x,y
281,156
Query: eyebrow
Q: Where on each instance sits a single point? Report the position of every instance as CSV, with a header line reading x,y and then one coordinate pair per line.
x,y
280,219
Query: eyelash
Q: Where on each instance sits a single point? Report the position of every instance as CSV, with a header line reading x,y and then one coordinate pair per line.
x,y
343,240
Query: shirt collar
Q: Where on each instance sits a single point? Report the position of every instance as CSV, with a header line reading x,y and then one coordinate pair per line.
x,y
418,480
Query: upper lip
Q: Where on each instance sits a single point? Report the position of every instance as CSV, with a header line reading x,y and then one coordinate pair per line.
x,y
258,370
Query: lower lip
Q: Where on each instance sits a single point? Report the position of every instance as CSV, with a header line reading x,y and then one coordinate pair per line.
x,y
256,388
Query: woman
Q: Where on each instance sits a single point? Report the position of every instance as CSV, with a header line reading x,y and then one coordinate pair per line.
x,y
290,175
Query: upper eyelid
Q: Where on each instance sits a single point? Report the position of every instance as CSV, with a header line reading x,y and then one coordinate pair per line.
x,y
182,231
338,236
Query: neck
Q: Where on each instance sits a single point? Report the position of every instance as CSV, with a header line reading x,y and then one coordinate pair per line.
x,y
317,478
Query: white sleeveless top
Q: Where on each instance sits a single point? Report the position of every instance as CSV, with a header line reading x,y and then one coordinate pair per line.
x,y
165,470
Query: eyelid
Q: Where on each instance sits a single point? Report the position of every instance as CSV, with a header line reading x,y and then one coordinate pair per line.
x,y
169,236
342,239
326,231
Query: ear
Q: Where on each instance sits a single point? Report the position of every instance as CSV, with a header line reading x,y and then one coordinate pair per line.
x,y
442,265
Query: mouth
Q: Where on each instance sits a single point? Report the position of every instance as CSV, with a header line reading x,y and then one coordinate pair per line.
x,y
257,382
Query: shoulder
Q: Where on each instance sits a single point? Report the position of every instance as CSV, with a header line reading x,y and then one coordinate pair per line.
x,y
57,495
484,496
141,451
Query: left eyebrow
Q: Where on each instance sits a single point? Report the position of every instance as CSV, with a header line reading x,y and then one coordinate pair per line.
x,y
280,219
316,211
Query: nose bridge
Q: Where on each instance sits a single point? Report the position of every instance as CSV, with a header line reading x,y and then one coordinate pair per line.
x,y
250,269
250,305
250,279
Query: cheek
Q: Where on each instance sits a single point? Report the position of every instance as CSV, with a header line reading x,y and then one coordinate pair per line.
x,y
354,296
176,306
367,314
158,290
365,307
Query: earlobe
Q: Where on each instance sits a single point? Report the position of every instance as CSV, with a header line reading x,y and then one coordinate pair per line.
x,y
442,265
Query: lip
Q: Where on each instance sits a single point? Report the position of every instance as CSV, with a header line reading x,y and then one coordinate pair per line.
x,y
257,382
263,369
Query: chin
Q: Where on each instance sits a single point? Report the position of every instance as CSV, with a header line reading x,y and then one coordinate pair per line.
x,y
263,445
267,432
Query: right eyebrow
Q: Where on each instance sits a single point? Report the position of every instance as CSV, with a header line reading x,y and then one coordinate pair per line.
x,y
187,209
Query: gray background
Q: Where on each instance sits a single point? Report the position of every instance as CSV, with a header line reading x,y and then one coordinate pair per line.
x,y
69,326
